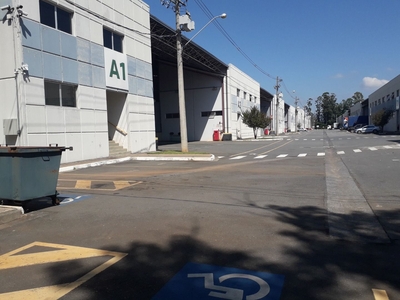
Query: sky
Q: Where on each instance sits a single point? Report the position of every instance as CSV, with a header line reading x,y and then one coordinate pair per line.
x,y
314,46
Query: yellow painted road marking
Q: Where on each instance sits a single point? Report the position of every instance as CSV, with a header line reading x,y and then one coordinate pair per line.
x,y
60,253
87,184
83,184
380,294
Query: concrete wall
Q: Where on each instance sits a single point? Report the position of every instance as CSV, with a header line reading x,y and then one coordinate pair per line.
x,y
80,59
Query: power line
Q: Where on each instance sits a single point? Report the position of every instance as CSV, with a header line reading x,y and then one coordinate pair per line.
x,y
208,13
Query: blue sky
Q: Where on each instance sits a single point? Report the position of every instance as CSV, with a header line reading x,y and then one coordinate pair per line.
x,y
315,46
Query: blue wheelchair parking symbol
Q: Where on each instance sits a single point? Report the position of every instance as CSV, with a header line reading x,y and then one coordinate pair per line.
x,y
205,282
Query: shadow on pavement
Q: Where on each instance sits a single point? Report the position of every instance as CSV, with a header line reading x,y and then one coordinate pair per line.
x,y
320,268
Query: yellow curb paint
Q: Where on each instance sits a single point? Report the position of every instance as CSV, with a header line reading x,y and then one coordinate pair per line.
x,y
60,253
380,294
83,184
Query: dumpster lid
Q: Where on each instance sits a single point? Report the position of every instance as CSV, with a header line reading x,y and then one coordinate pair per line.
x,y
24,149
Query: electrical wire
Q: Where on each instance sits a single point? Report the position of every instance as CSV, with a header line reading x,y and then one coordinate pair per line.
x,y
208,13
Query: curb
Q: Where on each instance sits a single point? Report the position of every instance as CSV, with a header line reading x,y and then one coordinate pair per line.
x,y
10,213
142,157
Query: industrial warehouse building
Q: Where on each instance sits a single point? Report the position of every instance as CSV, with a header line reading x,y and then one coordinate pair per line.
x,y
85,74
387,97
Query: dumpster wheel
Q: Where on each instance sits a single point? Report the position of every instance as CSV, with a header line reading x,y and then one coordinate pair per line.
x,y
55,201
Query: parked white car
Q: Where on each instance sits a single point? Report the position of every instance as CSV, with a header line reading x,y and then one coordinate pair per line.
x,y
368,129
301,129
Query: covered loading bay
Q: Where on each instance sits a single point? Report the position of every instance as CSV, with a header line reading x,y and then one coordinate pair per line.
x,y
204,78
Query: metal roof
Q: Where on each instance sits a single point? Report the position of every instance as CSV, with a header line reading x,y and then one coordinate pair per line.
x,y
163,44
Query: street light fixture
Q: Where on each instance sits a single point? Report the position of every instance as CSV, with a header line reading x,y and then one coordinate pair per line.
x,y
222,16
181,85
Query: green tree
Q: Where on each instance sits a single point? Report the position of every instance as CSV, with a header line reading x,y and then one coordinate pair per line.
x,y
255,119
382,117
357,97
326,103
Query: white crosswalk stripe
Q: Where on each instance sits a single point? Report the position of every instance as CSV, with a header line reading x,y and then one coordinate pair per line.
x,y
340,152
260,156
357,150
282,155
372,148
302,155
238,157
387,147
321,154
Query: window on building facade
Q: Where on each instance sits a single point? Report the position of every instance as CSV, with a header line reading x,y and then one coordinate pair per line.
x,y
172,116
392,95
244,95
251,97
59,94
238,92
211,113
397,93
55,17
112,40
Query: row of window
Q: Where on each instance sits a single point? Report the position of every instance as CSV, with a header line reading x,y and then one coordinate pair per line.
x,y
251,97
61,19
382,100
208,114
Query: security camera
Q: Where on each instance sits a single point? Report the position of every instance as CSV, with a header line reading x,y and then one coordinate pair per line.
x,y
6,7
21,12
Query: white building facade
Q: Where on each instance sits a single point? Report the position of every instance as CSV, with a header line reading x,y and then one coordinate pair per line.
x,y
77,75
242,93
387,97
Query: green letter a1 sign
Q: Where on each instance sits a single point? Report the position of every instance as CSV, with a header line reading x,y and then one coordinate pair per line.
x,y
116,70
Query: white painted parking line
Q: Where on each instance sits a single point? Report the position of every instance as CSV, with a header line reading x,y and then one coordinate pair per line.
x,y
395,159
340,152
321,154
372,148
387,147
302,155
260,156
238,157
221,156
304,139
357,150
296,139
282,155
313,139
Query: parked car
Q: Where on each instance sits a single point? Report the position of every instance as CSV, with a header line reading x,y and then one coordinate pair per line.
x,y
355,127
301,129
368,129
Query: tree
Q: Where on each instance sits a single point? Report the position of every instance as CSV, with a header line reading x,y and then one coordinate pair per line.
x,y
326,108
382,117
255,119
357,97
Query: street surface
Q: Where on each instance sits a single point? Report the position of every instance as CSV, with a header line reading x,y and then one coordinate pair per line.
x,y
313,215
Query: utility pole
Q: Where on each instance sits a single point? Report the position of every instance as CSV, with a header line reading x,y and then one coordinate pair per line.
x,y
277,86
181,86
296,101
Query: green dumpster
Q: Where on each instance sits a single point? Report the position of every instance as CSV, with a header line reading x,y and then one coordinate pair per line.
x,y
28,173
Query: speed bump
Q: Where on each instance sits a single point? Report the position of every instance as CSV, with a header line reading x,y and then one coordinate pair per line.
x,y
99,185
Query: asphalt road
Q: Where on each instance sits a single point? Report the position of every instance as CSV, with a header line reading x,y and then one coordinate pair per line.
x,y
275,219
